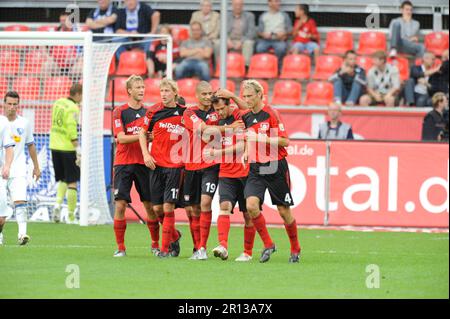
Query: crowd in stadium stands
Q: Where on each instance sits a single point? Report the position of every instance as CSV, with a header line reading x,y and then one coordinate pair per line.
x,y
277,48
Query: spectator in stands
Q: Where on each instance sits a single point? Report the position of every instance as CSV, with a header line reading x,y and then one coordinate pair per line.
x,y
334,129
157,58
417,86
404,33
274,27
439,80
383,82
241,30
196,53
349,81
65,25
434,122
209,19
103,18
305,34
136,18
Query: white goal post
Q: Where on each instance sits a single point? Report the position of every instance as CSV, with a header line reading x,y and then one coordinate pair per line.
x,y
93,59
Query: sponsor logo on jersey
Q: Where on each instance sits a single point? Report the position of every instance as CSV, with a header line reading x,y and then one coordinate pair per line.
x,y
134,130
265,126
172,128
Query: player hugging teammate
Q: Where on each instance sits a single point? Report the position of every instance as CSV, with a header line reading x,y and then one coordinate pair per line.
x,y
177,157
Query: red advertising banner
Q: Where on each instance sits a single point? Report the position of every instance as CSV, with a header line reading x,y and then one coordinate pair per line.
x,y
371,184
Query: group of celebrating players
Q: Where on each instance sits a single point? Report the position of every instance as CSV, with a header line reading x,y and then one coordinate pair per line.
x,y
177,157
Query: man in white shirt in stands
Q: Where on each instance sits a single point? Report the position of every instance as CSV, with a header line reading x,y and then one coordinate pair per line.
x,y
16,184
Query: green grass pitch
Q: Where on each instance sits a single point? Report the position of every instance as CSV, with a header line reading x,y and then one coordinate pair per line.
x,y
334,265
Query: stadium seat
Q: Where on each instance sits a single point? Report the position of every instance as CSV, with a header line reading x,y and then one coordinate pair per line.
x,y
34,60
403,66
17,27
326,65
187,89
437,62
436,42
235,66
364,61
371,41
287,92
215,83
112,66
56,87
179,33
3,86
319,93
338,42
64,55
28,87
296,66
10,62
46,28
120,90
132,62
152,92
263,66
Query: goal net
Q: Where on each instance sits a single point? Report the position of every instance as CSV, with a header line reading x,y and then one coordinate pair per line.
x,y
41,67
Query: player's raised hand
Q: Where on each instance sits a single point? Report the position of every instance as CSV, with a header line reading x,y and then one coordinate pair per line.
x,y
224,93
36,174
150,162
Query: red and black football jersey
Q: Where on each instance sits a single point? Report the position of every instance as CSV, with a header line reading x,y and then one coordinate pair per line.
x,y
168,129
231,165
129,121
266,122
192,118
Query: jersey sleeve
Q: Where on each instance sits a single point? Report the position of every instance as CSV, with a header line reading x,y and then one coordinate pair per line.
x,y
191,120
7,140
72,124
147,120
276,123
29,138
117,122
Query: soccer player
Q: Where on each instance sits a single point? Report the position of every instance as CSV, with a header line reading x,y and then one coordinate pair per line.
x,y
269,169
232,179
129,164
164,121
7,146
66,153
201,176
17,182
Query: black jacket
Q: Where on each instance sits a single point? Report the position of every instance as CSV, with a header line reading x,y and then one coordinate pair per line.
x,y
433,125
439,80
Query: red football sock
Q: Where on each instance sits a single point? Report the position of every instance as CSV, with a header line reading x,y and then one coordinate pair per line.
x,y
120,227
292,232
168,226
175,235
249,239
223,227
195,230
205,227
153,227
261,228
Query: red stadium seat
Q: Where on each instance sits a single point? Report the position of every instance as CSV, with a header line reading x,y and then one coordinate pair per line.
x,y
436,42
152,92
296,66
120,90
437,62
263,66
235,66
366,62
287,92
17,27
180,33
319,93
9,62
46,28
263,83
132,62
403,66
338,42
112,66
64,55
3,86
56,87
187,89
34,60
215,83
371,41
28,87
326,65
